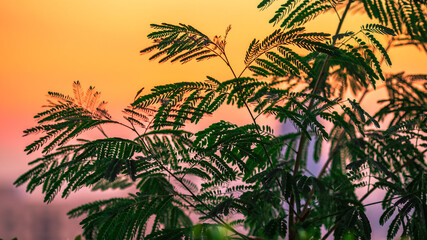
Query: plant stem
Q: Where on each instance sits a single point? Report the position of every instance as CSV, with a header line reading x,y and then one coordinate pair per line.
x,y
322,75
335,151
217,219
227,62
375,187
250,113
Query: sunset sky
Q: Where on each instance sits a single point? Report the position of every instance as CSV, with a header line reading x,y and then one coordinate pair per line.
x,y
45,45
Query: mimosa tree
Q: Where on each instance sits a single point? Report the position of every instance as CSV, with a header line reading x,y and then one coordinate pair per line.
x,y
245,181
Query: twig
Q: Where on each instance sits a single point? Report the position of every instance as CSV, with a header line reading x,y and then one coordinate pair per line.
x,y
375,187
227,62
216,218
332,155
322,75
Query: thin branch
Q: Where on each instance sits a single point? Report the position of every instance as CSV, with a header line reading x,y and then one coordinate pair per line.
x,y
322,75
102,131
227,62
335,9
375,187
216,218
332,155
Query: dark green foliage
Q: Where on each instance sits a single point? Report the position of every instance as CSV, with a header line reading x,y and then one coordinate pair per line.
x,y
407,99
406,17
295,13
181,42
280,38
246,181
353,221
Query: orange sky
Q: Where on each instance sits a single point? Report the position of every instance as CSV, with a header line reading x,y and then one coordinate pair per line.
x,y
47,44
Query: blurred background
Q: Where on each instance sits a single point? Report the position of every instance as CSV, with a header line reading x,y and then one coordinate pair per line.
x,y
46,45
